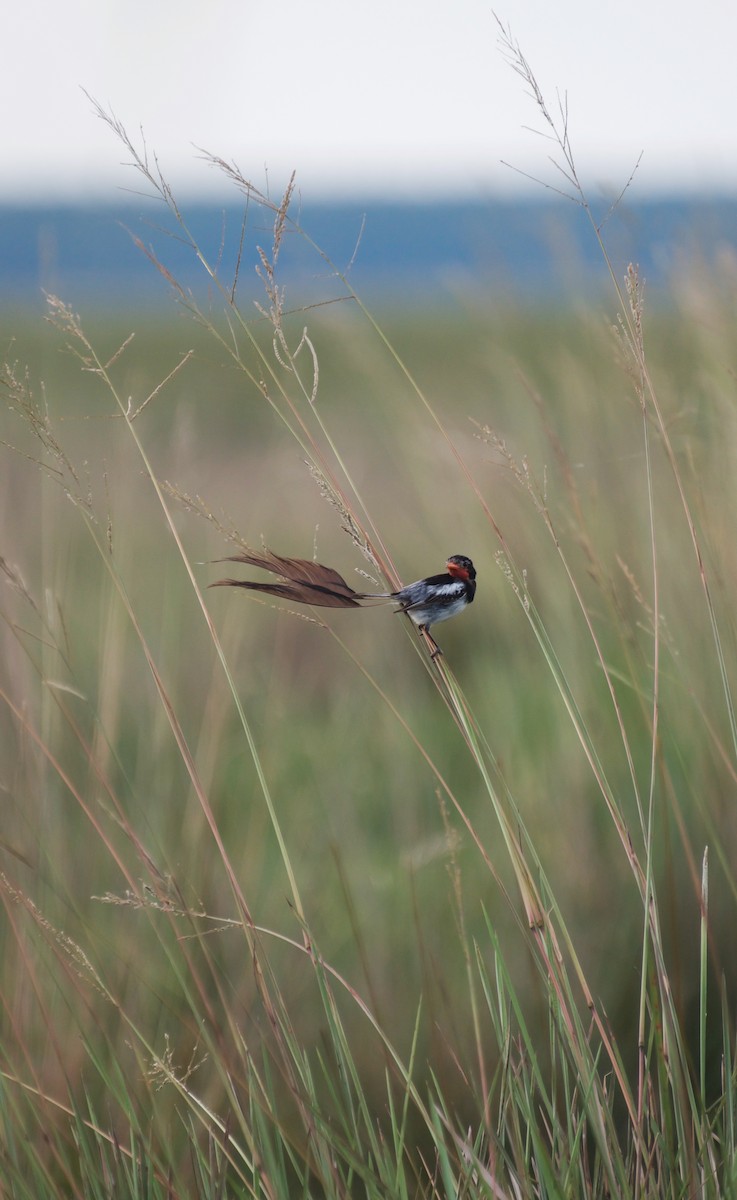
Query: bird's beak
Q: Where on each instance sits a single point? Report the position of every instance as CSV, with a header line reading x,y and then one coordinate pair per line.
x,y
456,571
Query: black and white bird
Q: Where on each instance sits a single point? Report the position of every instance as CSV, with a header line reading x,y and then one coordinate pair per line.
x,y
427,601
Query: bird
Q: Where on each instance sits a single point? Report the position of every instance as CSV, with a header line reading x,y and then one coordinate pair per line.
x,y
427,601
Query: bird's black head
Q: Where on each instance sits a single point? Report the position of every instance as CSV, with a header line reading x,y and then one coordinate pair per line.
x,y
461,567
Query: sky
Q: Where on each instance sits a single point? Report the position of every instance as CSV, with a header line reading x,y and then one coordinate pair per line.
x,y
390,98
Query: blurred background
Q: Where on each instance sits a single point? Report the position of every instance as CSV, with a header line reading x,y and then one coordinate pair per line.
x,y
398,120
409,117
411,101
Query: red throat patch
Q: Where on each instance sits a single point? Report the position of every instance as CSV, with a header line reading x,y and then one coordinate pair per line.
x,y
456,571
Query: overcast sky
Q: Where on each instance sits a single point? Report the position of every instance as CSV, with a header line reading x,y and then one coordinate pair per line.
x,y
391,97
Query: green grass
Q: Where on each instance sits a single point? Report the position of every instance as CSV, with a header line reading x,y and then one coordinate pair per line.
x,y
290,910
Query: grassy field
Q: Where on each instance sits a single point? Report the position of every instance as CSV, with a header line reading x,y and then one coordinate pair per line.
x,y
291,909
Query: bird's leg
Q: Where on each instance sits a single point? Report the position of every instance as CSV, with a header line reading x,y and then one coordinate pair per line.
x,y
436,651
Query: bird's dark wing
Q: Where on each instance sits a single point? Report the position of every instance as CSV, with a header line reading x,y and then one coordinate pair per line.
x,y
305,582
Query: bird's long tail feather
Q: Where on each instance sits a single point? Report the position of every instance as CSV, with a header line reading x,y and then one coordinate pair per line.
x,y
302,580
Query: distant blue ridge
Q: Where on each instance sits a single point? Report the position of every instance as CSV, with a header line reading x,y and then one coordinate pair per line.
x,y
514,251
